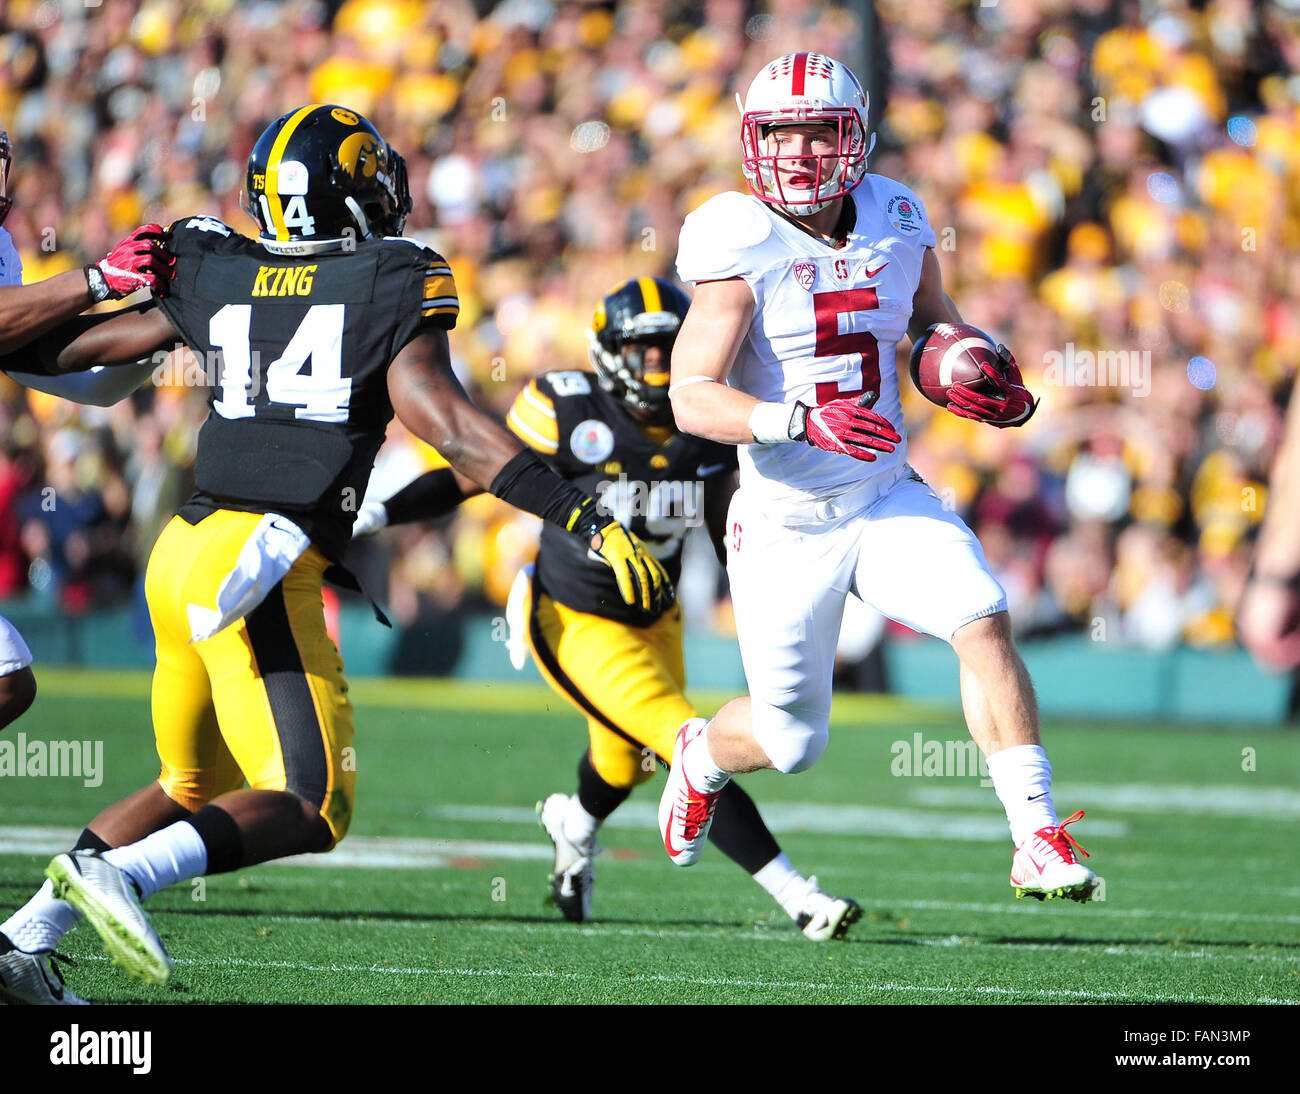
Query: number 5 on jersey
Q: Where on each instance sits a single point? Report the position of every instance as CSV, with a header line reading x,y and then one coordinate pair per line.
x,y
321,395
827,308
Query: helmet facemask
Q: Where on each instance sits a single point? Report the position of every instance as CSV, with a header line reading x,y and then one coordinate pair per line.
x,y
619,360
835,173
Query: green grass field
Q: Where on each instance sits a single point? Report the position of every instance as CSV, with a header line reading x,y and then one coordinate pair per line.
x,y
438,895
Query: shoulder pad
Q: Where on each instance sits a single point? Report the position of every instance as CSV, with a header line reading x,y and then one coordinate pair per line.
x,y
439,300
532,417
571,382
900,206
198,235
202,224
414,251
715,237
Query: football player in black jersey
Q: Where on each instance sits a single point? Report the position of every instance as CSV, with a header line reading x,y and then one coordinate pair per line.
x,y
612,435
325,326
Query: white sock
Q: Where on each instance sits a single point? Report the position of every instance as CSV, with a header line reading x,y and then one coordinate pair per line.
x,y
1022,780
175,854
579,825
784,884
41,923
701,770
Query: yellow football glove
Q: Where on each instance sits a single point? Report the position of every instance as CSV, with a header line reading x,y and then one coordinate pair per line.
x,y
642,580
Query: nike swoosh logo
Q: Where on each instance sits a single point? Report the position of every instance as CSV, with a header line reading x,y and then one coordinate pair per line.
x,y
872,273
673,852
704,472
1035,797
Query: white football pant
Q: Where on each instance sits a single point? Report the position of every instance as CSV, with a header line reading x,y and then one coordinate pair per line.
x,y
891,542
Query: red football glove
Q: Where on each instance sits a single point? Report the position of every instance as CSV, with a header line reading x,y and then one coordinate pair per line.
x,y
138,262
1012,405
850,426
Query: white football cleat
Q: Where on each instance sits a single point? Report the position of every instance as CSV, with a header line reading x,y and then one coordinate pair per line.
x,y
824,918
572,877
104,895
685,814
1044,866
33,979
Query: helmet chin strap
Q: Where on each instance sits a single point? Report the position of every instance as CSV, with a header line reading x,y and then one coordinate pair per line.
x,y
303,246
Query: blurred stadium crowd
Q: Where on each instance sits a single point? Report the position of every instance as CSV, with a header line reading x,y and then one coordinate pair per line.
x,y
1113,183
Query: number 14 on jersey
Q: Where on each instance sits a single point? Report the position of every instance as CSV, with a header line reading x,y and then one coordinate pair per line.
x,y
321,394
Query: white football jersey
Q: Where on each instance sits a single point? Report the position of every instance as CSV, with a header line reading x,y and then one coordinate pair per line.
x,y
826,322
11,266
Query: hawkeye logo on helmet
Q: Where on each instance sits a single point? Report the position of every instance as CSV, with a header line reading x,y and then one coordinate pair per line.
x,y
359,155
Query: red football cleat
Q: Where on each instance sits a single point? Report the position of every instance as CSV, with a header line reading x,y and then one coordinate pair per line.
x,y
1045,867
685,813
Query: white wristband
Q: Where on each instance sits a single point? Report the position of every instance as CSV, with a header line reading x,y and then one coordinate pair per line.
x,y
770,422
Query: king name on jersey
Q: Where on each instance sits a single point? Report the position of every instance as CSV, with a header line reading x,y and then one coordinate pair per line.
x,y
284,280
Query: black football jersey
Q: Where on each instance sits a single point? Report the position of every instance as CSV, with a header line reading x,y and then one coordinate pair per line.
x,y
655,490
296,350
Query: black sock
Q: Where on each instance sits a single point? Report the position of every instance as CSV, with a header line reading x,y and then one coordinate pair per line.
x,y
739,831
595,795
88,841
221,837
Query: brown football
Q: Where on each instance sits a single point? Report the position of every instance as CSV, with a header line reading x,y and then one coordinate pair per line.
x,y
951,353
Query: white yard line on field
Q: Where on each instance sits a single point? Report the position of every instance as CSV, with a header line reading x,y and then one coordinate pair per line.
x,y
783,817
1262,803
710,981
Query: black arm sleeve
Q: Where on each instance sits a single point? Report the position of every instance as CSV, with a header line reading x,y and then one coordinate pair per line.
x,y
40,357
527,483
432,495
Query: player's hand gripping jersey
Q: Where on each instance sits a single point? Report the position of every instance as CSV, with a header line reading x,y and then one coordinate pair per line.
x,y
655,491
304,344
826,321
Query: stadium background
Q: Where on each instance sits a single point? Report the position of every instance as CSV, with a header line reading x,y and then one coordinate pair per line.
x,y
1105,177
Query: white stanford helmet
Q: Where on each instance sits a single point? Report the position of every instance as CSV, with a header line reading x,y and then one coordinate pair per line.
x,y
808,88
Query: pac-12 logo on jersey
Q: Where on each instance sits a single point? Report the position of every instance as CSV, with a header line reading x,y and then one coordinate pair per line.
x,y
805,273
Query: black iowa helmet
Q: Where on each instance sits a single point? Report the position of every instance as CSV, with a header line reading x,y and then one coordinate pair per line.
x,y
637,313
321,174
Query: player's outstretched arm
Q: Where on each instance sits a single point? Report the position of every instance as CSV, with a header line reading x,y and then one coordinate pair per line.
x,y
28,311
430,402
426,497
89,341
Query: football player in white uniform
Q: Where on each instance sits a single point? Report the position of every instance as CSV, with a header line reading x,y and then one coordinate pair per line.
x,y
804,287
28,310
25,312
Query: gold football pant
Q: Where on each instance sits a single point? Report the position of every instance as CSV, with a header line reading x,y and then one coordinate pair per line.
x,y
627,680
263,700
